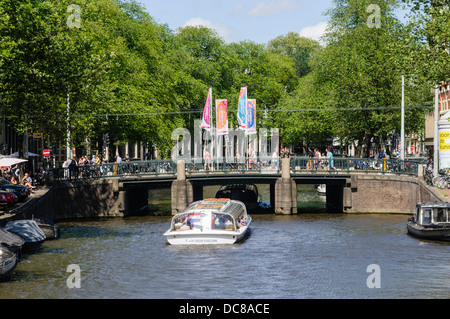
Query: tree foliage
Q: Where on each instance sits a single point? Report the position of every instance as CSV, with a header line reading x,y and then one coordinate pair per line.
x,y
126,75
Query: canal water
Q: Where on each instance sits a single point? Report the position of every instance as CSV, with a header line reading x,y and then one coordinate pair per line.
x,y
311,255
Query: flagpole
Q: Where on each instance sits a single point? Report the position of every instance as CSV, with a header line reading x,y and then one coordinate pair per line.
x,y
212,131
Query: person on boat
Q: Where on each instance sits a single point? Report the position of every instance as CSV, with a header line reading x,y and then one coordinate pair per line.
x,y
219,222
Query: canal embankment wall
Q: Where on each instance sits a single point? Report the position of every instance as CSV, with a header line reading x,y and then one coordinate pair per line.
x,y
74,200
387,194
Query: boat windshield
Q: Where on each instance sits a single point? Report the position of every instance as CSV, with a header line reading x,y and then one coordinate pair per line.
x,y
203,221
425,217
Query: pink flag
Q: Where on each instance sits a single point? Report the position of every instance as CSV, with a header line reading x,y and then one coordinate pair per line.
x,y
206,123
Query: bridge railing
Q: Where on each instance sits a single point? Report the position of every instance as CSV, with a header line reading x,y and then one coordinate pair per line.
x,y
324,165
105,170
261,165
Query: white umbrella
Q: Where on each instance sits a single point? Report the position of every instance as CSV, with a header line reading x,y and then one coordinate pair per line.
x,y
16,154
9,161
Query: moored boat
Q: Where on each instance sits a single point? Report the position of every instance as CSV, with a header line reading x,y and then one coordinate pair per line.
x,y
246,193
11,241
48,227
8,261
321,189
210,221
29,231
431,221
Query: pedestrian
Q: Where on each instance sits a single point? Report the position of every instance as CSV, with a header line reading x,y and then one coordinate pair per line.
x,y
309,165
66,167
207,160
330,159
287,153
316,158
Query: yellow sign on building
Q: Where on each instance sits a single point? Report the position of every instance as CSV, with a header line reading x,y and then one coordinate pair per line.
x,y
444,141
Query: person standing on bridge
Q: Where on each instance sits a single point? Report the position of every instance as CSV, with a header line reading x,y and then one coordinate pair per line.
x,y
330,159
309,165
207,160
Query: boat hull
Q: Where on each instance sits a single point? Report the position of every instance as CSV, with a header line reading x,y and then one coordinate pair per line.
x,y
8,265
433,233
205,238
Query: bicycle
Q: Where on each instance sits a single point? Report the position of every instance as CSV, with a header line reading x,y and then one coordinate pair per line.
x,y
428,177
443,179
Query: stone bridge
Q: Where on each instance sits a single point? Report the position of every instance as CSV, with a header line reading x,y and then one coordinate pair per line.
x,y
121,191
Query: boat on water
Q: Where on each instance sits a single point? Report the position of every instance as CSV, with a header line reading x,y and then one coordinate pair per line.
x,y
48,227
12,242
210,221
431,221
8,262
246,193
29,230
321,189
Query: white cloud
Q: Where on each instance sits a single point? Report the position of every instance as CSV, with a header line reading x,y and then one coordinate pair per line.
x,y
314,32
264,9
224,31
239,7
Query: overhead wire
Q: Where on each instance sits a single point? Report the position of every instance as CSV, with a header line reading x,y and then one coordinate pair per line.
x,y
384,108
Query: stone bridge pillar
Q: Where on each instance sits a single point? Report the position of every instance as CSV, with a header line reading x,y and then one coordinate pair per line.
x,y
182,190
285,191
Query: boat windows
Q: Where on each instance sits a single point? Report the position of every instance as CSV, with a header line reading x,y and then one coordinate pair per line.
x,y
440,215
203,221
223,221
426,216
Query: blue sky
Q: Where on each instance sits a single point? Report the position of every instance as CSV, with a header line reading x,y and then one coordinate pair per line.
x,y
237,20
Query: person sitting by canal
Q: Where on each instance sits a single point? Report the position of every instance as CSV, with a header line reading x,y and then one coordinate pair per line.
x,y
13,180
26,182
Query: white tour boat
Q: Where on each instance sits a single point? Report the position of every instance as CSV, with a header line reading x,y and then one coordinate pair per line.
x,y
210,221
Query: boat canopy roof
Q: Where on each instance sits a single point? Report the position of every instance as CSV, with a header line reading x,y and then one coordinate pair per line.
x,y
218,205
432,213
433,205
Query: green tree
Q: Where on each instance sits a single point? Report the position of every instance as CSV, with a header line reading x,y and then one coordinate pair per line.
x,y
430,25
298,48
362,69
